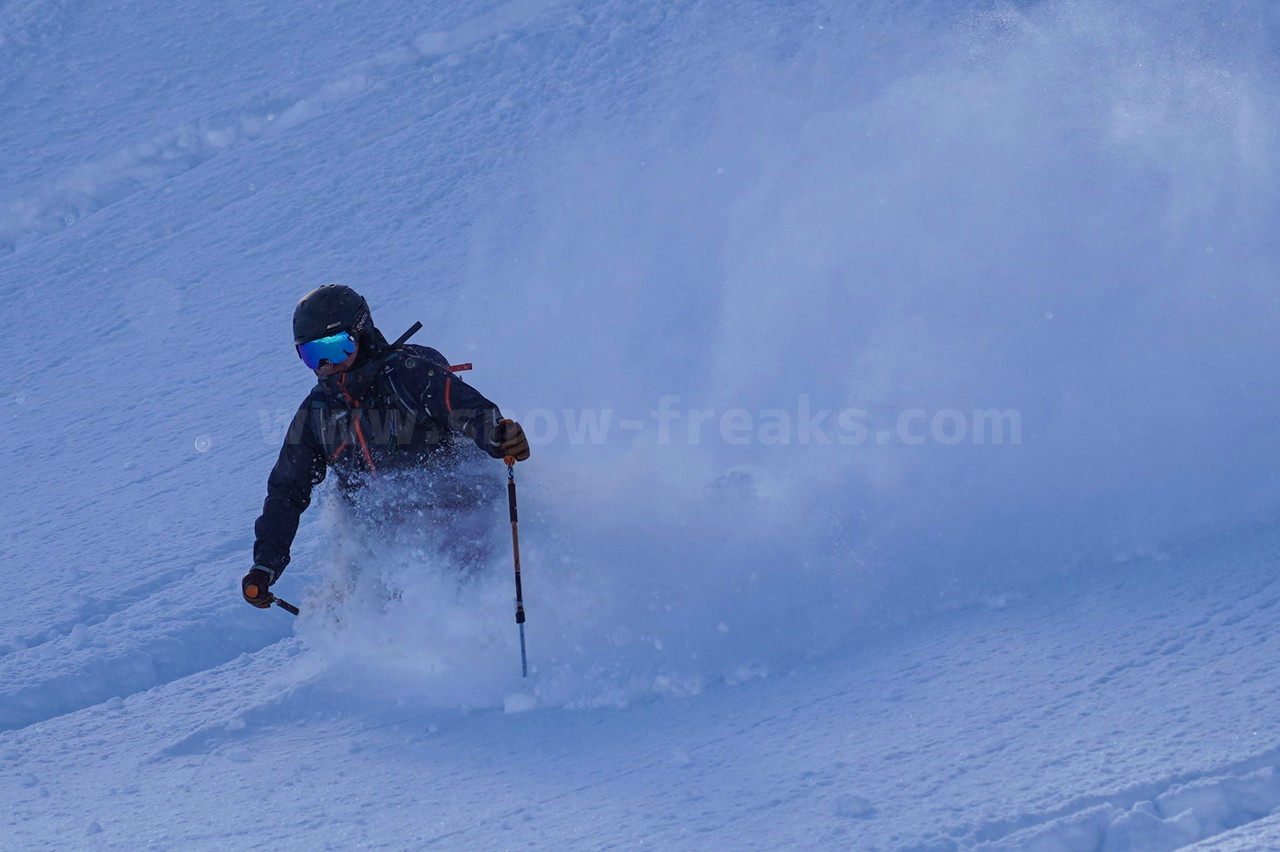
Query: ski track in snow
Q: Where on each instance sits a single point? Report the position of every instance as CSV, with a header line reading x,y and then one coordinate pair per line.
x,y
147,164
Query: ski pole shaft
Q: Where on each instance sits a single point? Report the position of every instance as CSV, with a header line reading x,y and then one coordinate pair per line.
x,y
285,605
515,549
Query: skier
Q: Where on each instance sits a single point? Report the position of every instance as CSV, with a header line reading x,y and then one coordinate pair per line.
x,y
376,410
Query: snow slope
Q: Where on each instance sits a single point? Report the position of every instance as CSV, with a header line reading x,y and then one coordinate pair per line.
x,y
1041,723
912,640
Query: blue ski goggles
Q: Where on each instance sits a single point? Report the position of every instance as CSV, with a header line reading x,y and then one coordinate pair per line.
x,y
333,349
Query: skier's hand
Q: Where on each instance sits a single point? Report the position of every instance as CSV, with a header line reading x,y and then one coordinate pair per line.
x,y
256,585
511,441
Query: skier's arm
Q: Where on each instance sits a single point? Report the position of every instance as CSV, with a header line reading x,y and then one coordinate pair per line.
x,y
298,469
481,421
473,415
448,400
452,402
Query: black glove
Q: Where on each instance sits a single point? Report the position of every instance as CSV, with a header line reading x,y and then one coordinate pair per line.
x,y
255,586
508,436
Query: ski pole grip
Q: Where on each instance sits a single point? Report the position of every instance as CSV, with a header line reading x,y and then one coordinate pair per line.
x,y
251,590
510,461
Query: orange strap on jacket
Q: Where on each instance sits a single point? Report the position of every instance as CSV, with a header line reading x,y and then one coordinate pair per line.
x,y
364,445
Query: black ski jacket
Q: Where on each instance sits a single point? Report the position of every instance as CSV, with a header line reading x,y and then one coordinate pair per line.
x,y
400,409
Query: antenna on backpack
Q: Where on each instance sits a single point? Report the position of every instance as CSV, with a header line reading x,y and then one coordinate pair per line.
x,y
413,329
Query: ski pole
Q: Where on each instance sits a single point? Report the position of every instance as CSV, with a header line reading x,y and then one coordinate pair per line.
x,y
515,549
284,605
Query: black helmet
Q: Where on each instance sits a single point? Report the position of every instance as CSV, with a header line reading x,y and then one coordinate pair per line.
x,y
328,310
333,308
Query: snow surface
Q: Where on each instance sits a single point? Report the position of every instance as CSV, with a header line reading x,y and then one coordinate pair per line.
x,y
1063,209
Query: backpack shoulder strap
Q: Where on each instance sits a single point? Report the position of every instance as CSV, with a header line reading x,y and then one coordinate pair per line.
x,y
408,359
318,422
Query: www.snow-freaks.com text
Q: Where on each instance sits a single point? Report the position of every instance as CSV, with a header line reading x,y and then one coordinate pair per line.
x,y
672,421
